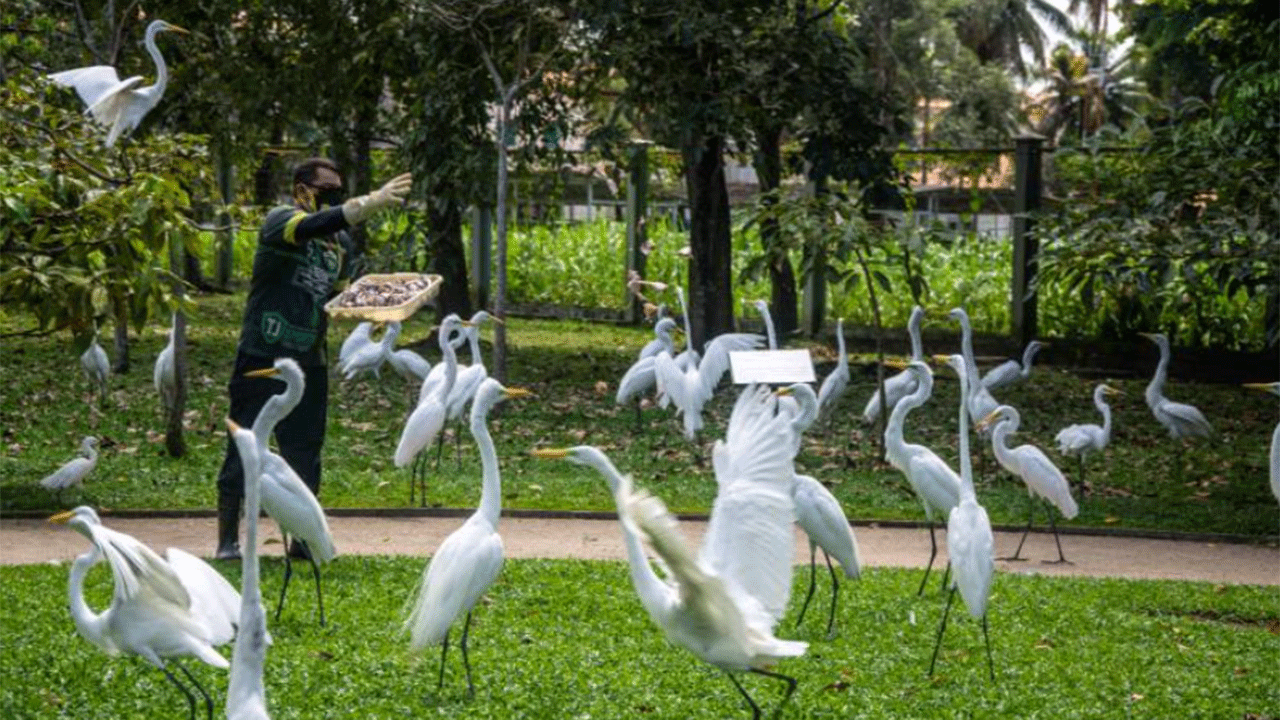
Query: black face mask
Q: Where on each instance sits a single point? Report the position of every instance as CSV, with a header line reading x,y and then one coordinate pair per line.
x,y
329,197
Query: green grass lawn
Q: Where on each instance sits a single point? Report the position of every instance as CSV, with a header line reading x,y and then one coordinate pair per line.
x,y
573,367
569,639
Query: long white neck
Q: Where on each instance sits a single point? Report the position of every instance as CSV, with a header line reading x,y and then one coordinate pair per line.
x,y
895,444
768,326
684,312
1105,409
389,337
491,489
1027,356
450,367
966,463
277,407
91,625
843,360
1155,388
473,338
162,70
913,330
651,589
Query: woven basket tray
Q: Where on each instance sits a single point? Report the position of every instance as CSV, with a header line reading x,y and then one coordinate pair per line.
x,y
387,313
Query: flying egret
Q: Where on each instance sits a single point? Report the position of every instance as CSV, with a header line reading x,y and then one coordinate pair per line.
x,y
901,384
97,369
1033,467
1274,470
370,356
468,561
689,389
73,472
932,480
246,694
358,338
1180,419
164,375
640,378
161,609
1010,371
285,498
970,544
427,418
119,104
1082,439
818,513
834,385
711,605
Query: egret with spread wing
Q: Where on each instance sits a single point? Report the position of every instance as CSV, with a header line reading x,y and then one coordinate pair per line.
x,y
690,388
119,105
639,378
468,561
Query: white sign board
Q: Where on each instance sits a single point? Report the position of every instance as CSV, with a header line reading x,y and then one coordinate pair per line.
x,y
771,366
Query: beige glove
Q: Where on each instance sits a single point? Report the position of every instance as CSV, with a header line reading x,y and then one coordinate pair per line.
x,y
358,209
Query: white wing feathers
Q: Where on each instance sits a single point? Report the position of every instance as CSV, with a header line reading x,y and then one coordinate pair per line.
x,y
715,358
135,566
214,602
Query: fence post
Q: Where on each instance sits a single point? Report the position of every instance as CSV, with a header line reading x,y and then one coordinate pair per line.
x,y
637,212
1027,191
481,252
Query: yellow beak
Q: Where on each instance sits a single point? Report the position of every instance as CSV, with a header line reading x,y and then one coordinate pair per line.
x,y
517,392
552,453
990,418
264,372
177,29
62,517
1265,387
232,426
1108,390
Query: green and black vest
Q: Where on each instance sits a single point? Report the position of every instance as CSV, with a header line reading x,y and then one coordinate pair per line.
x,y
301,262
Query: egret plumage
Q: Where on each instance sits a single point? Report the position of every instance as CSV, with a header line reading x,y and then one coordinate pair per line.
x,y
640,378
1083,438
933,481
358,338
410,365
164,375
1180,419
1274,459
370,356
74,471
427,419
119,105
470,558
834,384
1029,463
903,383
1011,371
970,543
689,389
285,498
161,609
246,693
97,368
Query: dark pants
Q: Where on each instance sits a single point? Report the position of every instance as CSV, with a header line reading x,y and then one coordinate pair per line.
x,y
300,435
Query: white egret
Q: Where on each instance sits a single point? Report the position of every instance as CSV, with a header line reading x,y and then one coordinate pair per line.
x,y
690,388
246,694
465,385
1274,468
834,385
688,357
73,472
285,498
1083,438
164,375
370,356
1180,419
358,338
427,418
903,383
932,480
819,514
161,609
1010,371
978,399
970,543
410,365
1035,469
96,366
116,104
721,605
762,307
640,378
468,561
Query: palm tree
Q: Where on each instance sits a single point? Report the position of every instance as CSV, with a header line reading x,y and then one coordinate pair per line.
x,y
1088,88
996,30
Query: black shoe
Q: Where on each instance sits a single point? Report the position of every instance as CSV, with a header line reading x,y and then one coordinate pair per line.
x,y
229,551
228,533
298,550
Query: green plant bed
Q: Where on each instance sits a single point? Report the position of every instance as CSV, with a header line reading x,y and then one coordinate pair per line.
x,y
569,639
574,367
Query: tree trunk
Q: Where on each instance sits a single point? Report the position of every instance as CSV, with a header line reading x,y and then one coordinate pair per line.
x,y
710,240
265,192
448,255
782,278
226,238
174,443
120,307
500,244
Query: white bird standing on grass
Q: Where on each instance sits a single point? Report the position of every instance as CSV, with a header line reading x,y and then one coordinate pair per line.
x,y
116,104
165,375
1084,438
468,561
358,338
1274,466
1035,469
834,385
818,512
74,471
1010,371
427,419
410,365
285,498
161,609
246,694
933,481
96,366
689,389
370,356
970,544
722,604
903,383
1182,420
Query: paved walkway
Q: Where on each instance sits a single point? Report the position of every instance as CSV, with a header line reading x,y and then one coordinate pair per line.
x,y
35,541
